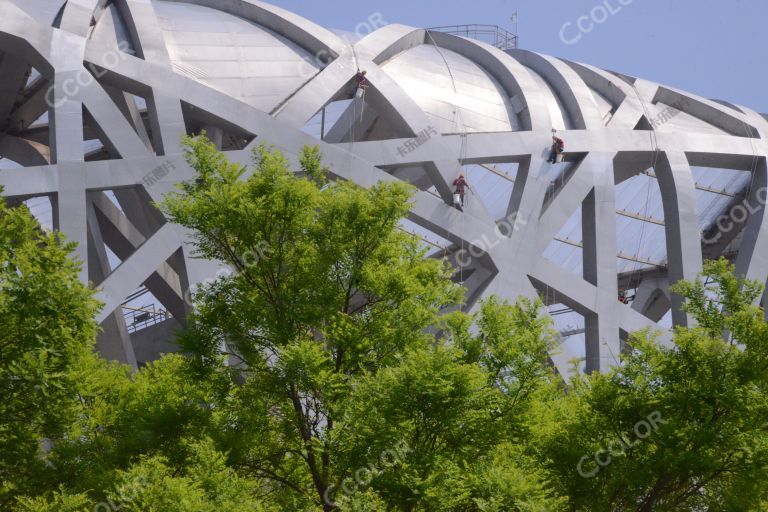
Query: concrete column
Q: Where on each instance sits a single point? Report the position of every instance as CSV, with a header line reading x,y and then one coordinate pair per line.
x,y
215,134
681,218
598,224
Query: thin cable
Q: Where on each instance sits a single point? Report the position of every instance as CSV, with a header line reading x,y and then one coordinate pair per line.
x,y
755,157
654,160
462,150
463,217
354,105
611,352
453,81
354,56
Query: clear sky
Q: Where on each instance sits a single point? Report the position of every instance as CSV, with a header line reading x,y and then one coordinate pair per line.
x,y
715,48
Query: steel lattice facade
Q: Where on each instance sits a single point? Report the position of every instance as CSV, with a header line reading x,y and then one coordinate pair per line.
x,y
131,76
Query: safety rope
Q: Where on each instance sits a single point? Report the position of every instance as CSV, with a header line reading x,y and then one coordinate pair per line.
x,y
654,161
610,351
445,61
455,122
352,126
755,157
354,56
654,141
462,154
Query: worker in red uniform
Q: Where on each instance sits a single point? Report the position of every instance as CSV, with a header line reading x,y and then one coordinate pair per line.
x,y
558,146
461,185
362,82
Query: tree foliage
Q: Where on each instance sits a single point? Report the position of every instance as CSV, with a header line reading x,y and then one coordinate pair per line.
x,y
328,321
674,428
46,328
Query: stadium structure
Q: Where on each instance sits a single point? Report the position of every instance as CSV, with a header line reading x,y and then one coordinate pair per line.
x,y
95,94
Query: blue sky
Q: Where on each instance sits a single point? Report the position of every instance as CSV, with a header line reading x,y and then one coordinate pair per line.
x,y
715,48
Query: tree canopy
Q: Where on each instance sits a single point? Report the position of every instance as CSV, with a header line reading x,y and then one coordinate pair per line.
x,y
672,428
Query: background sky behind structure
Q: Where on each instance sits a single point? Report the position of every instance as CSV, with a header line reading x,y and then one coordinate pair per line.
x,y
715,48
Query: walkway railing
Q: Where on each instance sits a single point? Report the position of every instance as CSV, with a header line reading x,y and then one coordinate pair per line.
x,y
491,34
137,319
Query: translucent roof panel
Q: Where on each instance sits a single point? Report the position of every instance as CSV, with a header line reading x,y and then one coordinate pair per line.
x,y
640,224
570,326
42,210
717,190
643,245
565,249
640,231
568,256
6,163
492,184
333,112
431,242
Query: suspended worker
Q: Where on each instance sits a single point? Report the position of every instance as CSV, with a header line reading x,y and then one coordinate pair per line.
x,y
362,83
623,297
461,184
558,146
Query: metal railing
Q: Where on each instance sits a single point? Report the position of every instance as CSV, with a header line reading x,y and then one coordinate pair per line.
x,y
137,319
491,34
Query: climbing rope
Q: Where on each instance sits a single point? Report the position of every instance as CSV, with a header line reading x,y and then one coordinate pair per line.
x,y
755,157
457,122
354,97
354,56
654,161
462,154
610,351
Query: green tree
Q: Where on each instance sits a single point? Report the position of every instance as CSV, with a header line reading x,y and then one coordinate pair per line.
x,y
70,422
59,501
454,415
325,331
326,288
156,412
47,330
673,428
203,483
